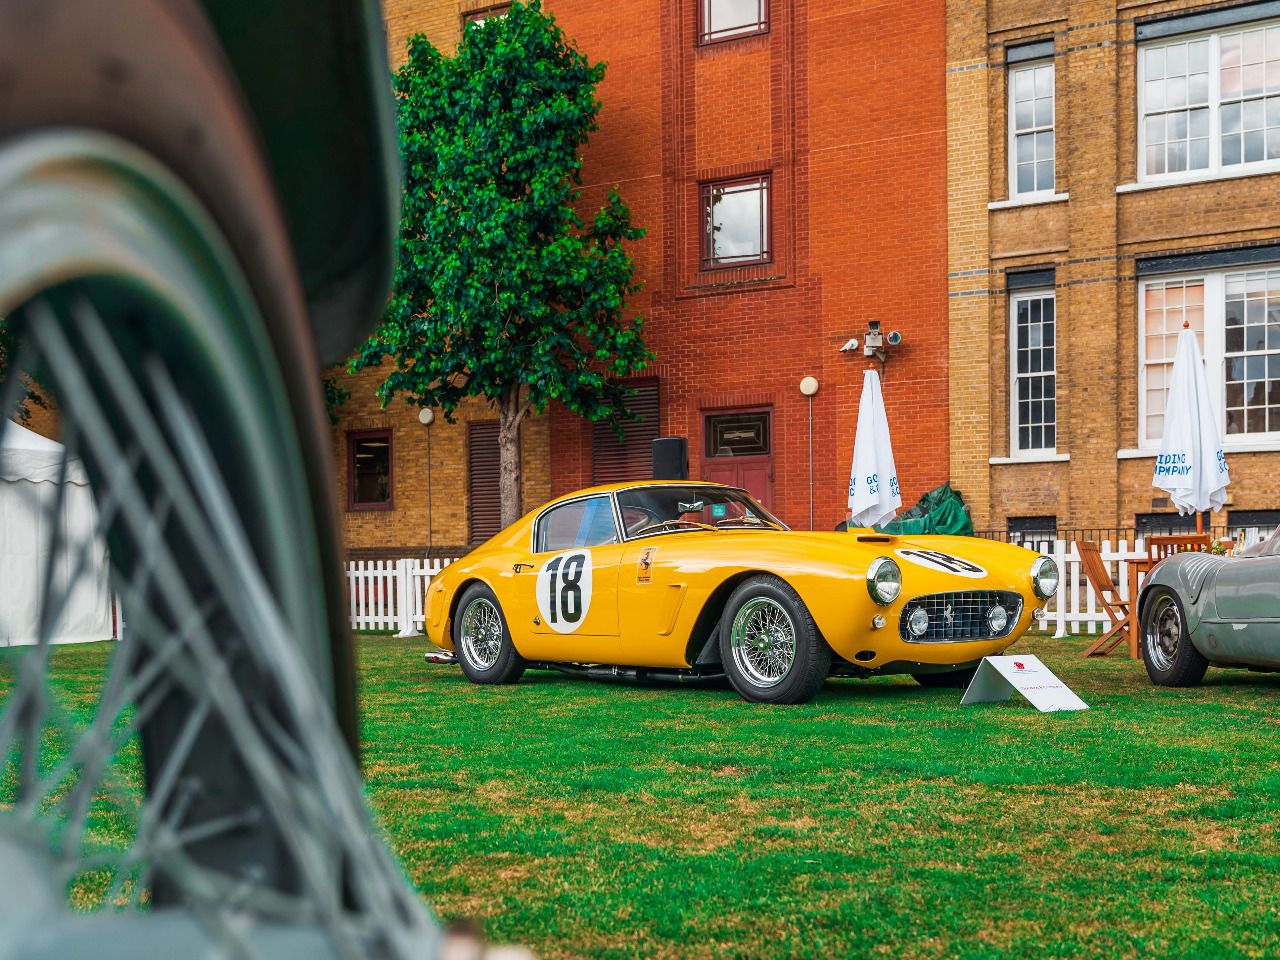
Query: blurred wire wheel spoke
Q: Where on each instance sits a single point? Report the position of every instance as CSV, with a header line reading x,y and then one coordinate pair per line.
x,y
202,771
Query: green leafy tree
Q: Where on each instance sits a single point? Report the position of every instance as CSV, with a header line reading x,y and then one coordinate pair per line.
x,y
501,291
30,394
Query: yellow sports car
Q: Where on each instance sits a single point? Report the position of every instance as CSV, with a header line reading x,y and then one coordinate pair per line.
x,y
688,580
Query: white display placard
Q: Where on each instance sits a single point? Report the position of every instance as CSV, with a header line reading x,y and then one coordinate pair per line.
x,y
998,677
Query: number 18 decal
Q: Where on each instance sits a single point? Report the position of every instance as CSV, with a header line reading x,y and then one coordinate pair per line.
x,y
945,562
564,590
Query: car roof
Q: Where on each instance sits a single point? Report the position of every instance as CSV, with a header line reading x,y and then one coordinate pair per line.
x,y
634,484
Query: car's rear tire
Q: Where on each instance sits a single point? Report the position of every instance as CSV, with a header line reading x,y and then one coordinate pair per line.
x,y
1168,654
770,647
947,680
482,639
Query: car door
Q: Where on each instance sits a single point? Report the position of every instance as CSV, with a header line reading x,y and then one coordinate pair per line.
x,y
1248,597
566,587
661,588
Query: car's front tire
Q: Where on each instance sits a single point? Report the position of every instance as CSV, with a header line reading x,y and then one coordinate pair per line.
x,y
482,639
770,647
947,680
1167,651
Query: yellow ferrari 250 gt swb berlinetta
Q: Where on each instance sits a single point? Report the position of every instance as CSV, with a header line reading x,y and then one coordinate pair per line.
x,y
688,580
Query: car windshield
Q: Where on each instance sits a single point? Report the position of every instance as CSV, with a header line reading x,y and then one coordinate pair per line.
x,y
652,510
1269,547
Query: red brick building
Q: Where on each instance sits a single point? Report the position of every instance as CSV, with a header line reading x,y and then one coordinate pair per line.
x,y
812,136
837,111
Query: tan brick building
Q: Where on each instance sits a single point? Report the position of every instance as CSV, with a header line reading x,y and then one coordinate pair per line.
x,y
1113,170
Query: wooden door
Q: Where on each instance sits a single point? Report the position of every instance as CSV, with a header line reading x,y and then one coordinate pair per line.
x,y
738,450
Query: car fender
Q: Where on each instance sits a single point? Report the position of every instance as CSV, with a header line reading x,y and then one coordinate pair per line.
x,y
1191,576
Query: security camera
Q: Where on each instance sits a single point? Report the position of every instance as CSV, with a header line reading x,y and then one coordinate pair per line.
x,y
873,326
894,338
850,345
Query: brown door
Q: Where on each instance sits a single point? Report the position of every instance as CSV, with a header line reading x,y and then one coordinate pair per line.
x,y
738,450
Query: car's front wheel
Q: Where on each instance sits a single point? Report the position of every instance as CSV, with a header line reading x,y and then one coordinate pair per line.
x,y
482,639
770,646
1167,652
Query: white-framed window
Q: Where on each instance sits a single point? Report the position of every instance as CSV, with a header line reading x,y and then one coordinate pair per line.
x,y
1209,105
1033,386
1236,316
1031,129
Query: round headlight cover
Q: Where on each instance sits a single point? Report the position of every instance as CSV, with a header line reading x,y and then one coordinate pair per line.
x,y
918,622
1044,577
884,580
997,619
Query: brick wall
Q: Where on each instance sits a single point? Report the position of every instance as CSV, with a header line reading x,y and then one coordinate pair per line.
x,y
1092,239
420,523
843,104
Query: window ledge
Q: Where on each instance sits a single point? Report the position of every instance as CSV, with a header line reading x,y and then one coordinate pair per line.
x,y
1257,446
1183,181
1030,458
1028,201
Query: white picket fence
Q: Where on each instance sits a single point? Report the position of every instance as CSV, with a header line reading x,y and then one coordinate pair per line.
x,y
388,594
1075,608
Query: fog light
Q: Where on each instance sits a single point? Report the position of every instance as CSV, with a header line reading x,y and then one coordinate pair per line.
x,y
1038,613
997,618
877,622
918,622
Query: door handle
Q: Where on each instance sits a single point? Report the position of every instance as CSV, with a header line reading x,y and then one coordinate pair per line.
x,y
515,567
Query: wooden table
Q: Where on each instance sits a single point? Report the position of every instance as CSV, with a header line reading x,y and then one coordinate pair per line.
x,y
1137,568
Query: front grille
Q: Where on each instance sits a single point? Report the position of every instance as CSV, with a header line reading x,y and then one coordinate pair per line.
x,y
961,615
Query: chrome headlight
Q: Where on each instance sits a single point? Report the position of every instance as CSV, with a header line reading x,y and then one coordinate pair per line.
x,y
884,581
1044,577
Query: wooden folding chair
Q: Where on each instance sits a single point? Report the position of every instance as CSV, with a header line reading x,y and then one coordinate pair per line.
x,y
1116,607
1159,547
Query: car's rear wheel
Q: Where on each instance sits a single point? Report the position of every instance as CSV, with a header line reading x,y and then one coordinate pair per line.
x,y
947,680
770,646
1167,651
482,639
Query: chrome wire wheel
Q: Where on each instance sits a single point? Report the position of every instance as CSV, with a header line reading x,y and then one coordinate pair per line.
x,y
763,641
188,786
481,633
1163,632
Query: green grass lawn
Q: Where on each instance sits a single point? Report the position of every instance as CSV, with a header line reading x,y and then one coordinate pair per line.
x,y
587,819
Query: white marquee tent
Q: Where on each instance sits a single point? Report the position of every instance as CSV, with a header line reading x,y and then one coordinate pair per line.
x,y
29,473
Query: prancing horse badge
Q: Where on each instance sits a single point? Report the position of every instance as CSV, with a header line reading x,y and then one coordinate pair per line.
x,y
644,569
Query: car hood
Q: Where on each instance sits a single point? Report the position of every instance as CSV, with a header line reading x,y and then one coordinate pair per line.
x,y
1002,564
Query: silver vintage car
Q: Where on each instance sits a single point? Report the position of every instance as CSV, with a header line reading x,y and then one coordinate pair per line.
x,y
1199,609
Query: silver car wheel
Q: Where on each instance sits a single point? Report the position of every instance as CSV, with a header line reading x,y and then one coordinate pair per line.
x,y
1163,632
481,633
763,641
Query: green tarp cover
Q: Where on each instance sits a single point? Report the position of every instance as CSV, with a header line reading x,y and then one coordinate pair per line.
x,y
939,511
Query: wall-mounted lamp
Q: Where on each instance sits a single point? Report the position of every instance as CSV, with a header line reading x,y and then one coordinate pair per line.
x,y
426,417
809,387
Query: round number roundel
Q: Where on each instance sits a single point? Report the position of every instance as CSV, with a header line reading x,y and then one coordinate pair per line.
x,y
943,562
564,590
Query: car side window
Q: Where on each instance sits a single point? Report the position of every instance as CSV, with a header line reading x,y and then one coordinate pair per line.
x,y
580,523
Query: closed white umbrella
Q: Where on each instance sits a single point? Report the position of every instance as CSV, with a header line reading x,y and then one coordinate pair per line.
x,y
1191,466
873,483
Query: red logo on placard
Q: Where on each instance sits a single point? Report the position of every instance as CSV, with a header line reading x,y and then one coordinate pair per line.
x,y
1018,664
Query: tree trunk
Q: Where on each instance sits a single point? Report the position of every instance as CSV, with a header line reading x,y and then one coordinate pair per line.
x,y
510,414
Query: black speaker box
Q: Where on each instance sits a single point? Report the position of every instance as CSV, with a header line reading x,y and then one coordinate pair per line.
x,y
670,458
